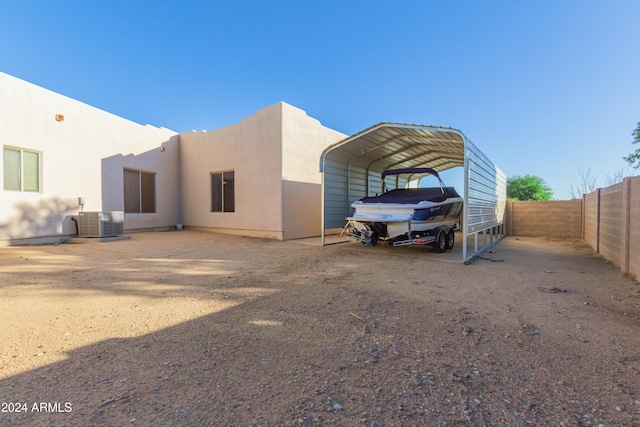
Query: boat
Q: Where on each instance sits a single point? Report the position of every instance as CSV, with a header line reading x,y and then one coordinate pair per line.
x,y
407,216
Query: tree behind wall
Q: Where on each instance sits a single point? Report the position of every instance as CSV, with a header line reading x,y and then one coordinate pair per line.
x,y
528,187
589,183
634,158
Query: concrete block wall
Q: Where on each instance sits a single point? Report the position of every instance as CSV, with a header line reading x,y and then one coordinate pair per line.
x,y
615,211
611,221
591,214
633,238
556,219
608,220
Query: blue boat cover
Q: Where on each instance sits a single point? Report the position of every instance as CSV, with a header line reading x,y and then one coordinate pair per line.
x,y
413,195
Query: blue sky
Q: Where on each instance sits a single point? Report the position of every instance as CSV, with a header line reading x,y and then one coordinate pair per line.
x,y
542,87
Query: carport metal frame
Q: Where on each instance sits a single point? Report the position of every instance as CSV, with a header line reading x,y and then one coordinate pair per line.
x,y
351,169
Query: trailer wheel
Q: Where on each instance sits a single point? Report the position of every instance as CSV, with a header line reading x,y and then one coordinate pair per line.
x,y
373,241
440,245
450,239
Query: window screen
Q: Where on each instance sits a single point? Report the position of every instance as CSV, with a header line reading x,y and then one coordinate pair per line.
x,y
223,192
229,204
216,192
11,162
31,171
21,170
148,192
139,192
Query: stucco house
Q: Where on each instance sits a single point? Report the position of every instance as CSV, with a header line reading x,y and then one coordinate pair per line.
x,y
258,177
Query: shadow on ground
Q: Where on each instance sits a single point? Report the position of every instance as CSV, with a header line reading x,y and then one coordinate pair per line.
x,y
335,336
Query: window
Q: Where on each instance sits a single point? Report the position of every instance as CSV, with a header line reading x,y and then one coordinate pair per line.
x,y
21,170
223,192
139,191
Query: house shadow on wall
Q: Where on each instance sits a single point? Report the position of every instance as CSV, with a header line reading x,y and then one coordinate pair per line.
x,y
45,221
49,219
163,162
301,209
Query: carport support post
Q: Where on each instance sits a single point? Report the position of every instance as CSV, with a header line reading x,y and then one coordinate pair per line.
x,y
465,205
322,219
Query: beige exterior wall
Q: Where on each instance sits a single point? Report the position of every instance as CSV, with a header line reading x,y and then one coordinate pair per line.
x,y
274,155
81,156
303,140
252,150
556,219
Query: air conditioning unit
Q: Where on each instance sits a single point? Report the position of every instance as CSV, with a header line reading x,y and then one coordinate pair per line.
x,y
100,224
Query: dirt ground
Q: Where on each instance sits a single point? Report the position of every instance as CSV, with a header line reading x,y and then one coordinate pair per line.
x,y
190,328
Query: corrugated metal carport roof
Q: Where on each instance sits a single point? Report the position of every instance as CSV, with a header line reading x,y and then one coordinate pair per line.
x,y
396,145
352,168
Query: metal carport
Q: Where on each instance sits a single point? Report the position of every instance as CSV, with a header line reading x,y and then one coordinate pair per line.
x,y
352,169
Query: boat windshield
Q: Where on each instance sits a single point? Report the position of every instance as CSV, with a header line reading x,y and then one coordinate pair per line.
x,y
413,174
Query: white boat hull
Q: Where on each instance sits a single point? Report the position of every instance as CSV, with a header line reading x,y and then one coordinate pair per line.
x,y
402,222
410,215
